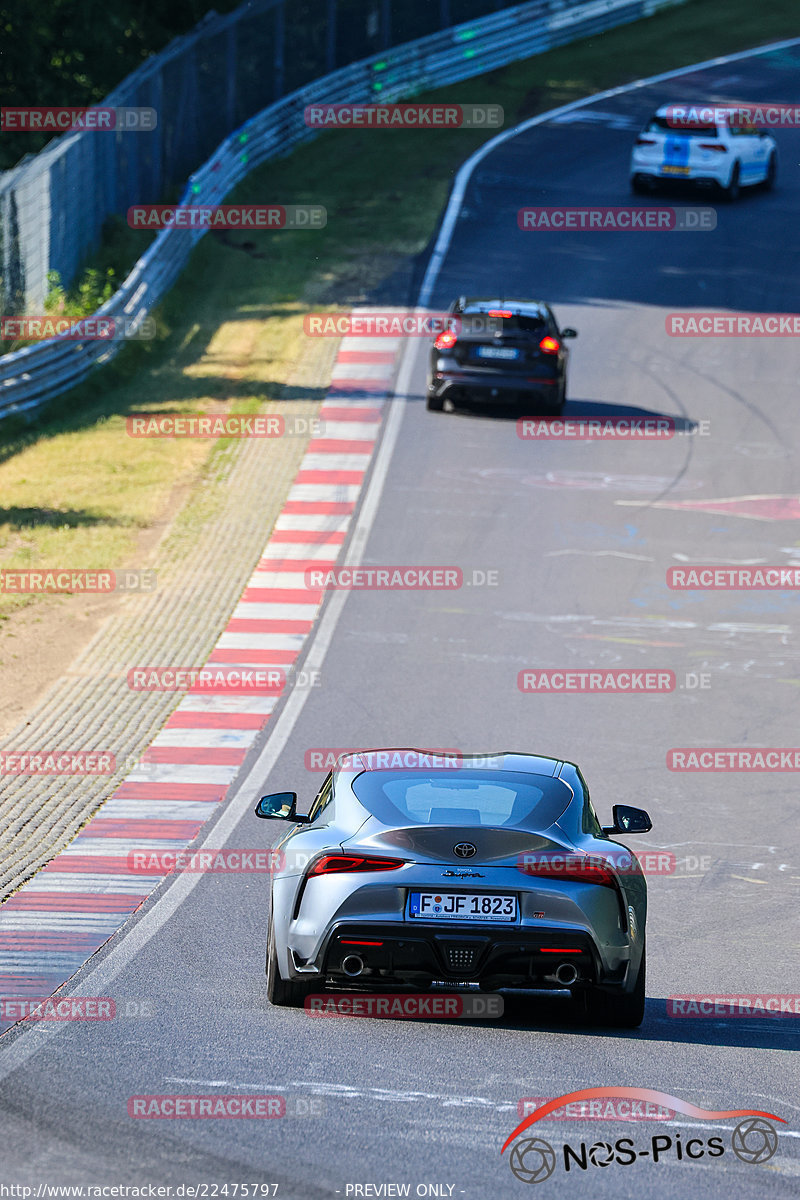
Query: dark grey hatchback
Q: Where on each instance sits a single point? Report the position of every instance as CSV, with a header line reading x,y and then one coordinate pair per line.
x,y
506,351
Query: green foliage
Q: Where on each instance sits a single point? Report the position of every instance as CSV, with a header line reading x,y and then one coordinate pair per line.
x,y
74,52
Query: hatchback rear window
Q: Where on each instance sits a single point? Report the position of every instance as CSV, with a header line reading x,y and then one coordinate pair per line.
x,y
462,797
516,323
662,125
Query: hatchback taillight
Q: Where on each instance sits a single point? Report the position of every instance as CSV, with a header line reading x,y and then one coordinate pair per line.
x,y
446,340
336,864
712,146
549,345
643,141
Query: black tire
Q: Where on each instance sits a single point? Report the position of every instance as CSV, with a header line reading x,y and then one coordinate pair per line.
x,y
282,993
434,403
772,171
734,188
639,187
620,1010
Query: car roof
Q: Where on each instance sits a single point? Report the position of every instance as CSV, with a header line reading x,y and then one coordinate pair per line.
x,y
402,757
665,110
526,308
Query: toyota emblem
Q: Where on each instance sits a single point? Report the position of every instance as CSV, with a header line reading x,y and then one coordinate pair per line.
x,y
465,849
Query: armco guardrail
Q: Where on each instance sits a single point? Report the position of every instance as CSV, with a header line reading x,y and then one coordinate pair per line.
x,y
37,373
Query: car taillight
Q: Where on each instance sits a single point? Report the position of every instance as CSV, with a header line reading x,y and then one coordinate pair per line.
x,y
643,141
499,312
572,868
334,864
549,345
712,146
446,340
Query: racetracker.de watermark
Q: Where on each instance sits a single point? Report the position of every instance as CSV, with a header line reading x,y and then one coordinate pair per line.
x,y
452,1006
325,758
649,862
721,324
57,1008
206,862
220,680
707,1005
738,579
398,578
607,1109
57,762
403,116
733,758
397,324
621,680
227,216
222,425
736,114
39,118
620,220
627,429
69,580
243,1107
77,329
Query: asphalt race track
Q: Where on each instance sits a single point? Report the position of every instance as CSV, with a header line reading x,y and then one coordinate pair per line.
x,y
581,535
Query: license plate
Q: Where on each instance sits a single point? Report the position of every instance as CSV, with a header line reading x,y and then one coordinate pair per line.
x,y
497,352
462,906
675,170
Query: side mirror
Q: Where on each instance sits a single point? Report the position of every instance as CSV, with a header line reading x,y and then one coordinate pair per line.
x,y
629,820
280,806
569,332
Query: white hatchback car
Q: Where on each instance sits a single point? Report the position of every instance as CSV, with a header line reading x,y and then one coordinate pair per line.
x,y
727,154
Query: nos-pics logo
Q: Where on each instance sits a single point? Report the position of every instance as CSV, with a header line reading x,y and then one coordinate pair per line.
x,y
533,1160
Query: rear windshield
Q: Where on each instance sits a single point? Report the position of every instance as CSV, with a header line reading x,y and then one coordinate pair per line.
x,y
462,797
516,323
662,125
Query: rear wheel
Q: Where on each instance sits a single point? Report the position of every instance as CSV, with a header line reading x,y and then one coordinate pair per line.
x,y
731,192
283,993
434,403
621,1010
772,171
639,187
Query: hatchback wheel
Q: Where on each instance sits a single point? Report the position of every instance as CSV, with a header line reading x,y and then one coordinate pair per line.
x,y
772,171
732,191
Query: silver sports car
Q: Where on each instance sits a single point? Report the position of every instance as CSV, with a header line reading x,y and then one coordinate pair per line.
x,y
412,869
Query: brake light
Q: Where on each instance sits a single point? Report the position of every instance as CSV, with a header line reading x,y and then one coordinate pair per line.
x,y
499,312
572,868
336,864
549,345
712,146
445,340
643,141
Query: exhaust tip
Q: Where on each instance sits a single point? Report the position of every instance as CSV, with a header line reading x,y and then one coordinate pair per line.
x,y
352,965
567,973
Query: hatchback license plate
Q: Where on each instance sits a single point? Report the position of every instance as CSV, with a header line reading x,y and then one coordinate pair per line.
x,y
462,906
675,170
497,352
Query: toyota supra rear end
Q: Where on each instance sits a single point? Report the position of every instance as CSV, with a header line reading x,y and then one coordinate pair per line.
x,y
411,871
